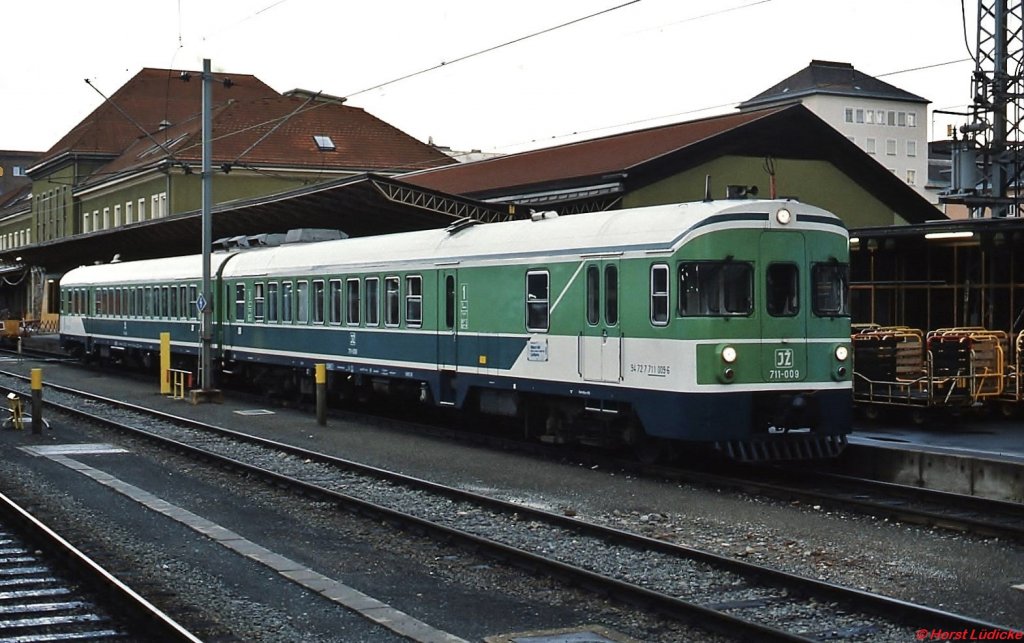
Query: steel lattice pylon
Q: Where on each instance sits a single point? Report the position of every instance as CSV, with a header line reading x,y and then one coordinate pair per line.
x,y
987,159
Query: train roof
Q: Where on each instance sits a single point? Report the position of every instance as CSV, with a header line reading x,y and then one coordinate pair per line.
x,y
649,229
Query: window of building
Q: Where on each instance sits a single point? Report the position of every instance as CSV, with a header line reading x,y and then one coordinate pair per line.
x,y
891,118
901,119
911,119
106,218
911,177
911,148
19,170
890,146
537,312
880,117
128,212
869,145
142,209
323,142
869,117
859,116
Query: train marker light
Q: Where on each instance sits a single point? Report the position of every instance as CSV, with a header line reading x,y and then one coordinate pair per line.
x,y
783,216
842,353
728,354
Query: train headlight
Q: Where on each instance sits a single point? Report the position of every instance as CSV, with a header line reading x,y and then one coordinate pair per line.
x,y
728,354
842,353
783,216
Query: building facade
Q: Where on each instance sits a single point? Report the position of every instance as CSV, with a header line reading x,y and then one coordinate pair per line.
x,y
888,123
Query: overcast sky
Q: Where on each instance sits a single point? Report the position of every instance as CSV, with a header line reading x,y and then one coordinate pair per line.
x,y
646,63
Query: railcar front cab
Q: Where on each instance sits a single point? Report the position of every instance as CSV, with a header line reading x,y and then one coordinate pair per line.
x,y
771,323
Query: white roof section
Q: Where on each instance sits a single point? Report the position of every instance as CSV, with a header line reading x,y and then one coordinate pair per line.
x,y
170,269
655,228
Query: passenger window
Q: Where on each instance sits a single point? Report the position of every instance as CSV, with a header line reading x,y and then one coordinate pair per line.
x,y
334,301
272,303
391,301
414,301
372,301
611,295
449,302
286,302
782,290
593,295
537,312
352,312
659,295
318,302
239,302
302,302
193,297
258,303
830,287
715,288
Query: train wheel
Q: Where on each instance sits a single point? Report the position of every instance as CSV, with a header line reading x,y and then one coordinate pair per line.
x,y
872,413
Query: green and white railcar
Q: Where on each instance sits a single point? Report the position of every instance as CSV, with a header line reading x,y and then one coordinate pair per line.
x,y
721,322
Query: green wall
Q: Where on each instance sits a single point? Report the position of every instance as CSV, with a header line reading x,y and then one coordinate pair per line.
x,y
815,182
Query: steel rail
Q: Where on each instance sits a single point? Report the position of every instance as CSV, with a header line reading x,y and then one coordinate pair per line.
x,y
872,603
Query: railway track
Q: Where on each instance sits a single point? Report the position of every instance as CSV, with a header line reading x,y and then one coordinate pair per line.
x,y
724,594
49,591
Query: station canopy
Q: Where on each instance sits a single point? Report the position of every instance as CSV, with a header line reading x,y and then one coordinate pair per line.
x,y
367,204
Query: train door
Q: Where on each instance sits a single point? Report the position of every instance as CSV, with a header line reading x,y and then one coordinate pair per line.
x,y
448,320
783,309
601,338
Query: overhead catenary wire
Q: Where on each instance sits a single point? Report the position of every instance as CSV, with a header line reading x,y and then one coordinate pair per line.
x,y
486,50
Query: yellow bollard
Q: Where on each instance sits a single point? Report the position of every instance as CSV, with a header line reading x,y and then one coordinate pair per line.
x,y
165,363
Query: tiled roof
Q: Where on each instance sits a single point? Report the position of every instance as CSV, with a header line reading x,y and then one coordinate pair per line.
x,y
279,131
150,97
636,159
592,158
825,77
